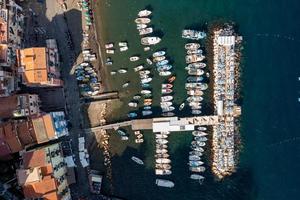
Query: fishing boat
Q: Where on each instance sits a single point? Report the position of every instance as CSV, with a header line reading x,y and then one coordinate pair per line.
x,y
132,115
195,72
110,51
149,61
132,104
195,92
122,44
181,106
123,48
194,99
168,114
138,68
198,144
168,109
161,136
194,51
162,151
146,80
171,79
192,58
141,26
201,128
165,104
142,20
165,73
146,112
125,85
147,107
166,91
200,138
137,160
134,58
163,166
195,153
161,141
159,58
196,112
166,86
194,157
164,68
137,97
166,98
193,34
144,13
193,163
145,31
164,183
158,53
139,140
161,63
122,71
144,72
196,177
192,46
163,172
199,134
113,72
146,92
109,45
150,40
197,169
162,160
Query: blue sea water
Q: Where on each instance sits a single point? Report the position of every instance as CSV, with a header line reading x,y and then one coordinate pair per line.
x,y
270,157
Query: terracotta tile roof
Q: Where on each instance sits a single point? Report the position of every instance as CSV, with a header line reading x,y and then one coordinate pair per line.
x,y
35,158
44,188
47,170
28,175
34,62
11,138
10,102
24,133
44,128
49,126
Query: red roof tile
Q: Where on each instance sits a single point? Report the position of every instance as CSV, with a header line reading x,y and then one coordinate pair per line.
x,y
35,158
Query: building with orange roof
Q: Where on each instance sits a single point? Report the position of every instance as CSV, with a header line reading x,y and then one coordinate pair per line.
x,y
43,174
39,66
21,105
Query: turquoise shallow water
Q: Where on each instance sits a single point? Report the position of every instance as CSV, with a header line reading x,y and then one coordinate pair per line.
x,y
270,121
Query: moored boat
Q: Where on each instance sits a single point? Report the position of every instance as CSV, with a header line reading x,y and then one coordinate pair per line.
x,y
166,91
109,45
195,153
165,104
146,80
159,58
144,72
181,106
144,13
192,46
194,51
168,86
195,72
162,166
141,26
198,143
145,31
195,92
194,157
196,177
194,98
132,104
123,48
165,73
149,61
132,115
166,98
146,112
197,64
195,163
197,169
134,58
137,97
162,160
196,112
147,107
146,92
201,138
201,128
161,63
163,172
168,114
138,68
161,136
164,183
122,71
150,40
171,79
137,160
161,151
122,44
142,20
168,109
158,53
125,85
161,141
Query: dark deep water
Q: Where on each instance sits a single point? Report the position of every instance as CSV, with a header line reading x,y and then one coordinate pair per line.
x,y
270,158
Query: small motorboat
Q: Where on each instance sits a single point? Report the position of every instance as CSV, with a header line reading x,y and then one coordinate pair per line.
x,y
201,128
146,48
137,160
165,104
201,138
161,63
132,115
194,157
163,172
161,141
162,166
109,45
132,104
137,97
194,79
195,51
122,71
146,85
168,109
197,169
166,91
166,86
141,26
196,177
195,163
158,53
146,80
146,92
139,140
144,72
164,183
138,68
123,49
161,151
162,160
148,103
164,68
145,31
146,112
159,58
161,146
192,46
113,72
122,44
181,106
161,136
199,133
142,20
171,79
198,144
110,51
144,13
168,114
196,112
149,61
194,99
134,58
195,92
165,73
147,107
200,149
166,98
125,85
195,153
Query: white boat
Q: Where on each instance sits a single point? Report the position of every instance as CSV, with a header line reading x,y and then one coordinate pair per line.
x,y
195,153
166,104
200,149
158,53
142,20
159,58
164,68
161,156
150,40
197,64
197,169
145,31
122,71
161,63
146,112
161,151
193,34
201,138
196,177
134,58
161,146
123,48
197,163
166,91
195,92
144,72
140,26
163,172
161,141
165,73
199,133
194,98
164,183
198,144
149,61
110,51
146,48
161,136
168,86
194,51
136,97
132,104
140,140
166,98
192,58
109,45
201,128
168,114
138,68
137,132
168,109
162,166
125,85
146,80
181,106
113,72
192,46
195,72
146,92
194,157
122,44
137,160
144,13
163,161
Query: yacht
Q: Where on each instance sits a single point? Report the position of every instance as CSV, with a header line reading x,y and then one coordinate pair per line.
x,y
150,40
